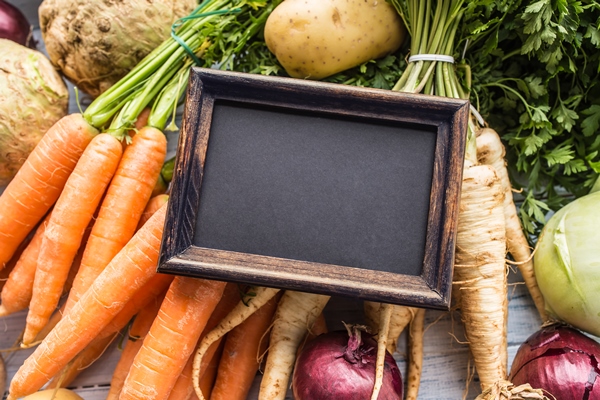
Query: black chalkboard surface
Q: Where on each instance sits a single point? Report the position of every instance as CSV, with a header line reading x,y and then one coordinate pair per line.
x,y
316,187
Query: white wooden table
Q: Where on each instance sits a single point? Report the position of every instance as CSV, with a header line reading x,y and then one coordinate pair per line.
x,y
446,357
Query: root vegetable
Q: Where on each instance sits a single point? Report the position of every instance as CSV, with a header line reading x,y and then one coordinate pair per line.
x,y
317,38
95,43
341,365
480,272
32,98
490,151
64,233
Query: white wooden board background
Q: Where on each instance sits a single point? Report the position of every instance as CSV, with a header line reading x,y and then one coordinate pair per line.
x,y
446,357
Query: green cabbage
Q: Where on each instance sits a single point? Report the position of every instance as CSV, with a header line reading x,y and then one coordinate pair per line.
x,y
567,263
33,97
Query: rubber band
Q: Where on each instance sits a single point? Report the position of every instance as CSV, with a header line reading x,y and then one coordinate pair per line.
x,y
431,57
180,22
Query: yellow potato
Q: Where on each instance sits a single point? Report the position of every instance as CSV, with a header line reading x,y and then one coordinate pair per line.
x,y
61,394
317,38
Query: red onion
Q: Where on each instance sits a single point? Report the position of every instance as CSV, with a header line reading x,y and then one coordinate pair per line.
x,y
561,361
340,365
14,25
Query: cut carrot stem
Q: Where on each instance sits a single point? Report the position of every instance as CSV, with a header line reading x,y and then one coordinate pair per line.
x,y
17,291
71,215
130,270
490,151
242,350
184,312
39,182
296,312
137,332
124,202
415,357
242,311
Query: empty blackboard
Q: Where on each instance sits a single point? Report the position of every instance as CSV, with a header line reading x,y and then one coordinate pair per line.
x,y
316,187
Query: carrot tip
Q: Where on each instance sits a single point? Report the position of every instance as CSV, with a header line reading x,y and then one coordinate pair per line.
x,y
3,311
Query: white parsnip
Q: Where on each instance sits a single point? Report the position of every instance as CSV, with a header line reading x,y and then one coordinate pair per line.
x,y
480,271
296,312
491,151
415,354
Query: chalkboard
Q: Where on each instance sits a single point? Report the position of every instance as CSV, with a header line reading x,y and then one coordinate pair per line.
x,y
316,187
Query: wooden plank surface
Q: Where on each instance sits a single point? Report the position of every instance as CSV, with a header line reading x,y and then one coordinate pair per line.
x,y
446,357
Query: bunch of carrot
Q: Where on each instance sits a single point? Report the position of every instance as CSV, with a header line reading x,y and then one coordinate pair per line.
x,y
73,222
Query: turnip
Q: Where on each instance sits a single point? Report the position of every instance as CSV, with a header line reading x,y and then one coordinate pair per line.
x,y
96,42
32,98
317,38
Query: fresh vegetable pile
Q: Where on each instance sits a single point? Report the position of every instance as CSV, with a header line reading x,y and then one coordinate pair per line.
x,y
82,220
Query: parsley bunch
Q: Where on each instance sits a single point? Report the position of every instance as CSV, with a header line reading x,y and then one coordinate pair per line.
x,y
535,79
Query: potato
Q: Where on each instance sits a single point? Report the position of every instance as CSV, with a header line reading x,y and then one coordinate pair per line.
x,y
317,38
61,394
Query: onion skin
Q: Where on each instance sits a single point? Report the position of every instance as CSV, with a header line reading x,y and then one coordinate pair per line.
x,y
14,26
560,360
334,366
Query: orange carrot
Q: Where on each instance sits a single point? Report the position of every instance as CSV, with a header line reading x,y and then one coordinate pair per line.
x,y
137,332
71,215
16,293
129,271
232,295
157,285
87,357
172,338
39,182
239,363
154,204
183,389
10,266
122,207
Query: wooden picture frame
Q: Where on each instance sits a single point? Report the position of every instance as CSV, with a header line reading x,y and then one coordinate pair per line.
x,y
298,171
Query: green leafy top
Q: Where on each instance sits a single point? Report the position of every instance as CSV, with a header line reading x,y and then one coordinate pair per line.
x,y
535,70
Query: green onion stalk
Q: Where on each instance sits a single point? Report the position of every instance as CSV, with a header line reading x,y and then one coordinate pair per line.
x,y
211,35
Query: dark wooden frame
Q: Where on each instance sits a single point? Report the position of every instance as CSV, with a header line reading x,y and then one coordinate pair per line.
x,y
447,116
